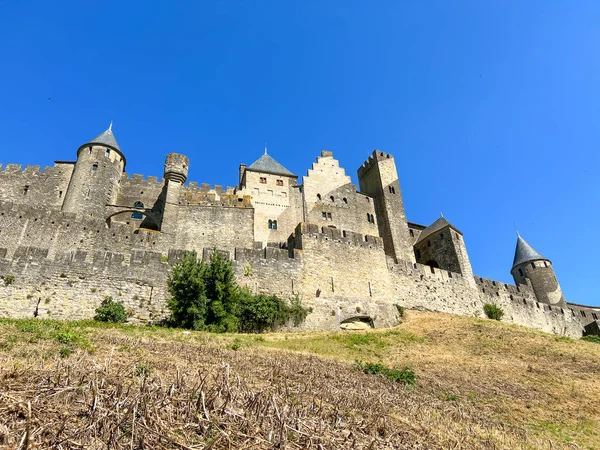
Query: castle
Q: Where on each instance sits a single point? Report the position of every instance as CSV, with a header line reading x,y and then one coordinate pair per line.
x,y
81,230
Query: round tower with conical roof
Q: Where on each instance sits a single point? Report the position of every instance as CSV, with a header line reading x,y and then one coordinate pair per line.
x,y
96,176
530,265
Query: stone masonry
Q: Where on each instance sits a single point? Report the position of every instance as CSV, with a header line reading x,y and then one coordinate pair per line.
x,y
76,232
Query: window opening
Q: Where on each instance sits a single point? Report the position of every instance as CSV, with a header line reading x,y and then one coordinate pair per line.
x,y
279,182
319,197
329,216
345,200
521,272
274,225
263,180
25,190
107,152
94,167
332,199
270,224
135,214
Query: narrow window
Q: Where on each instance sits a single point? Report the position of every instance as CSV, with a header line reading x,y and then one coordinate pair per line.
x,y
533,265
428,243
263,180
137,215
94,167
274,224
59,194
441,235
324,215
545,264
412,233
25,190
595,316
521,272
368,217
107,153
345,200
582,313
270,224
332,199
279,183
90,150
319,197
329,216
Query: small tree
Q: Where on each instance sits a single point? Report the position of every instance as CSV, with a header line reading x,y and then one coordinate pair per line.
x,y
110,311
188,293
492,311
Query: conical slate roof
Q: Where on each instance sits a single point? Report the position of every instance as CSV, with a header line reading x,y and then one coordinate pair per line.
x,y
436,226
267,164
525,253
105,138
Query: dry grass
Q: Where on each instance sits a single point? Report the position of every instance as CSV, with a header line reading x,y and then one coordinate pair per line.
x,y
480,384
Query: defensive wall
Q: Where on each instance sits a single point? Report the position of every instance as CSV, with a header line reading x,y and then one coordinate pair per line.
x,y
339,274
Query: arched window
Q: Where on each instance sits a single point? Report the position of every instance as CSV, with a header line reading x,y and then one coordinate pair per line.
x,y
137,215
345,200
94,167
107,152
319,197
270,224
332,199
274,225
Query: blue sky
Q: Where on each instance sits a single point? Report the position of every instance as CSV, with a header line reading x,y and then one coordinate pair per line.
x,y
490,108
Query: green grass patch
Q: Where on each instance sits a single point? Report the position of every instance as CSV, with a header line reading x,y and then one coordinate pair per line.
x,y
405,375
591,338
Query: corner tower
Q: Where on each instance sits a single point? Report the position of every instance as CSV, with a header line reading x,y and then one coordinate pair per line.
x,y
95,179
378,178
530,265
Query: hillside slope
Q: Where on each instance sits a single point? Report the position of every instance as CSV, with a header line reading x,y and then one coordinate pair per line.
x,y
480,384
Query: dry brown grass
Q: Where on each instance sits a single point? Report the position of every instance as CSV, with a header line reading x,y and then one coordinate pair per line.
x,y
481,384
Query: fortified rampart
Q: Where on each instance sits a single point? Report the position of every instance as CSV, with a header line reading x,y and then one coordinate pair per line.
x,y
76,232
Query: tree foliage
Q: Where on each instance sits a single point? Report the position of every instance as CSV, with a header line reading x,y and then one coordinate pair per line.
x,y
207,297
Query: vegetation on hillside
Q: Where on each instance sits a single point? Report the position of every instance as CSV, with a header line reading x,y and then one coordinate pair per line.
x,y
207,297
478,384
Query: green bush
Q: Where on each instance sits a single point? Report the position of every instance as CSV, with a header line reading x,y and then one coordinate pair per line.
x,y
400,310
9,279
110,311
492,311
405,375
206,297
591,338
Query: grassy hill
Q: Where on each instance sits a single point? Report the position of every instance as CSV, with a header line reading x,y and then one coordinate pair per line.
x,y
479,384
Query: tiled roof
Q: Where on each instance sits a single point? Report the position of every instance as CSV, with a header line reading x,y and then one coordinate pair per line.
x,y
106,138
525,253
435,226
267,164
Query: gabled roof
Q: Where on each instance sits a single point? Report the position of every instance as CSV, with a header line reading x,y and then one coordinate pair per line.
x,y
268,165
525,253
436,226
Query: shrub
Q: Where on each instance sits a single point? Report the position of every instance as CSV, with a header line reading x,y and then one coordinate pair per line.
x,y
400,310
9,279
110,311
405,375
206,297
492,311
591,338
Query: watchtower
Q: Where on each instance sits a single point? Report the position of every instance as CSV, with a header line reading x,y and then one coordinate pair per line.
x,y
378,178
96,175
531,265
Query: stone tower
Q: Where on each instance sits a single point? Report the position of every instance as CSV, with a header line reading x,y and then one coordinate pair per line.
x,y
176,172
442,245
531,265
95,179
378,178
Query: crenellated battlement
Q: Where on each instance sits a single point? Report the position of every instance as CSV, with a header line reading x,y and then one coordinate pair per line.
x,y
310,230
377,155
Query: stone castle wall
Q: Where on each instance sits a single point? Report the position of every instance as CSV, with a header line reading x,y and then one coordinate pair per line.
x,y
348,255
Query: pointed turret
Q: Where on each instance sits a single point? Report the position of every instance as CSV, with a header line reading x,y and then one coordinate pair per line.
x,y
530,267
525,253
95,179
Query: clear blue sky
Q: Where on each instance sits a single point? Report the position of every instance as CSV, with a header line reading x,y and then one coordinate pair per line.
x,y
491,109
